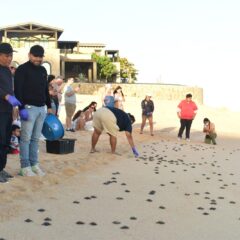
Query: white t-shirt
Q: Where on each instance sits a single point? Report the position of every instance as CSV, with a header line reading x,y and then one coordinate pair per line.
x,y
71,99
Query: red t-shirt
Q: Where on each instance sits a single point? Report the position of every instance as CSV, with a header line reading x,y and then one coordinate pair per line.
x,y
187,109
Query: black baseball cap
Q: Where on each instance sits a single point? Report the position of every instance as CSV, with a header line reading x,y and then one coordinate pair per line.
x,y
6,48
37,51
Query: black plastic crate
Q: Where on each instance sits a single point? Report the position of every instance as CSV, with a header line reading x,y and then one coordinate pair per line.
x,y
61,146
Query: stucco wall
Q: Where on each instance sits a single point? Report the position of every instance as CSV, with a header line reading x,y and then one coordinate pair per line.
x,y
158,91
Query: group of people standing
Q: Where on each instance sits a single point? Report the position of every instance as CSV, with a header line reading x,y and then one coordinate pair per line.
x,y
186,112
35,94
27,90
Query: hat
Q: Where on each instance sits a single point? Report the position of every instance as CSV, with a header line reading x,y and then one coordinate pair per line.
x,y
6,48
148,94
37,51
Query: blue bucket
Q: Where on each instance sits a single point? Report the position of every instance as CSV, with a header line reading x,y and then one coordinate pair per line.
x,y
52,128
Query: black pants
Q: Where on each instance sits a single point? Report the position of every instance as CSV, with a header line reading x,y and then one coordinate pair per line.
x,y
5,136
185,123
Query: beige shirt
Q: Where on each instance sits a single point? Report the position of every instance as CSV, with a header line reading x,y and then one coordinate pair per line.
x,y
210,128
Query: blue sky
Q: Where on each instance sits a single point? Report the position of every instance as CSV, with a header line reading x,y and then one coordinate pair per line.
x,y
170,41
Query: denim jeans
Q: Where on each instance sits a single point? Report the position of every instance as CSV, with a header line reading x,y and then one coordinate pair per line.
x,y
30,134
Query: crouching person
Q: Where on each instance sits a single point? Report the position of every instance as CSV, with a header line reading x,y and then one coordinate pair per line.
x,y
209,129
112,120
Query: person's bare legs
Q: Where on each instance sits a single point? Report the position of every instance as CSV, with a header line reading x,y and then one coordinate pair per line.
x,y
95,136
77,125
150,120
144,118
68,122
113,143
80,124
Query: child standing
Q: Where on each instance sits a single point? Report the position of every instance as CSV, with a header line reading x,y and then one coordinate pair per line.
x,y
14,142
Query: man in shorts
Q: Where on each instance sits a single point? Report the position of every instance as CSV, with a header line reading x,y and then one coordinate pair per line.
x,y
70,103
111,120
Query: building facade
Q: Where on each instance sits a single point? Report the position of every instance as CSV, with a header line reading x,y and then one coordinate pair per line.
x,y
66,58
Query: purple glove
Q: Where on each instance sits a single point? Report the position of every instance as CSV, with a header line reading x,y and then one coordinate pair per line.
x,y
13,101
23,114
135,152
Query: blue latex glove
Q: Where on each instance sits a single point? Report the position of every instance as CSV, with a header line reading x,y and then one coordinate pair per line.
x,y
13,101
23,114
135,152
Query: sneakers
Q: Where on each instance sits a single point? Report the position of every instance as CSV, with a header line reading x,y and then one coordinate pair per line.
x,y
70,130
187,139
37,170
27,172
3,179
5,174
31,171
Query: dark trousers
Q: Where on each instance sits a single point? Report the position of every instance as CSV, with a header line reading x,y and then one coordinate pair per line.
x,y
5,136
185,123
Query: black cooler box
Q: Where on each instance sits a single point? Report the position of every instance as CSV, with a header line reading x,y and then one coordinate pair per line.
x,y
61,146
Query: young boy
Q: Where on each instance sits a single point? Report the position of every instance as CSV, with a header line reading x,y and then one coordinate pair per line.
x,y
14,143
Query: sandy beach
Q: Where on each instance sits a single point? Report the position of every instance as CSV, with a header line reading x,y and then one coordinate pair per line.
x,y
175,190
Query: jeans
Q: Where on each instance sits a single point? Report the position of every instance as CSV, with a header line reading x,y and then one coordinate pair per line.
x,y
5,136
185,123
30,134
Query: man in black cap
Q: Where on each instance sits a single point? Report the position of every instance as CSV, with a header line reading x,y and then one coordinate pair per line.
x,y
7,102
31,88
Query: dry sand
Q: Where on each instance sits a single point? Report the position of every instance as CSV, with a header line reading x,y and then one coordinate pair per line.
x,y
174,190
